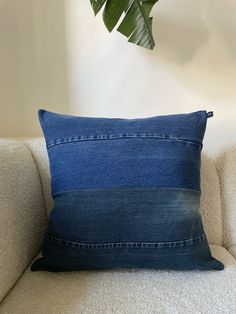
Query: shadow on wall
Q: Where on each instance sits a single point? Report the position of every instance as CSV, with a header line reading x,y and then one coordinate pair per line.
x,y
197,41
33,63
180,32
225,23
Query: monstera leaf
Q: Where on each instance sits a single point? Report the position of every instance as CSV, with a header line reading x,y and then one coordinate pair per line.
x,y
136,24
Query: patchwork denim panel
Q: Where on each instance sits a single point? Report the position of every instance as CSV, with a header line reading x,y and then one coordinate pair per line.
x,y
125,162
126,193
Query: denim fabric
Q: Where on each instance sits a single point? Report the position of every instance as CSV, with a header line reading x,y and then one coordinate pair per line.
x,y
126,193
125,162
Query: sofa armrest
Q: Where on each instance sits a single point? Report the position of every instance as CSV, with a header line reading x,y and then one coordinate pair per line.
x,y
226,167
22,211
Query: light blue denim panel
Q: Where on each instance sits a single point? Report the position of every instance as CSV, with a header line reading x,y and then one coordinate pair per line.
x,y
126,227
126,215
126,193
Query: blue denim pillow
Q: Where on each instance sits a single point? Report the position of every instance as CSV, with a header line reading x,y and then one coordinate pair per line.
x,y
126,193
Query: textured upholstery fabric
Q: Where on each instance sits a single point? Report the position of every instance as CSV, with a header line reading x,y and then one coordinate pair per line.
x,y
39,151
226,166
127,291
211,201
22,212
232,250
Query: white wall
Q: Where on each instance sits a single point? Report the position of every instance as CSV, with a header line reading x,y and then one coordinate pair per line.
x,y
33,70
74,66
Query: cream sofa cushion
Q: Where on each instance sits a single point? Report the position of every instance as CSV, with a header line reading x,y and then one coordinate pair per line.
x,y
127,291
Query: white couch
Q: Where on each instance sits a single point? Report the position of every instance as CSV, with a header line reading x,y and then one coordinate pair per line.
x,y
24,205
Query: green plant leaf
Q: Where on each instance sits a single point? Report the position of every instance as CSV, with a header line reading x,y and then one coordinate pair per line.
x,y
97,5
136,24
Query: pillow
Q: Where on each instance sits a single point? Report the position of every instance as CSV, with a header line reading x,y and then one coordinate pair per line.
x,y
126,193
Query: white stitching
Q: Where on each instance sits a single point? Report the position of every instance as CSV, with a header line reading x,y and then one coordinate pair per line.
x,y
114,245
120,136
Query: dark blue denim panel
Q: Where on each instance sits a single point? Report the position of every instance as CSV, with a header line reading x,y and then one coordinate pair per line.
x,y
59,127
129,227
61,255
125,162
126,215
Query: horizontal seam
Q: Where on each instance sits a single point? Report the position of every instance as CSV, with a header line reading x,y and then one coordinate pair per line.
x,y
122,188
120,136
114,245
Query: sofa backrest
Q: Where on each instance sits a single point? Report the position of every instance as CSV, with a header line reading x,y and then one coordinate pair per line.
x,y
39,151
211,201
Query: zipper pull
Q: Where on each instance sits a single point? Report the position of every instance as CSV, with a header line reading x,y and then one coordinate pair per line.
x,y
210,114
